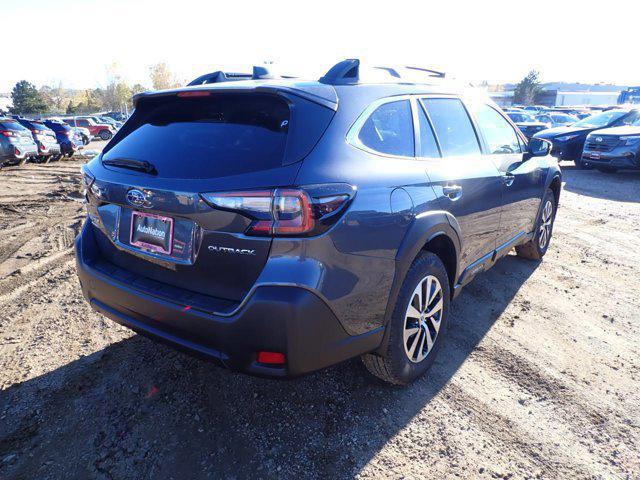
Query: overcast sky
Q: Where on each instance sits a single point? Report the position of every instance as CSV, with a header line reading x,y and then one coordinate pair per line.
x,y
73,41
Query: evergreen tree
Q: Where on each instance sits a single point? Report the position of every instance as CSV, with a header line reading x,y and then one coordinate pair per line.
x,y
27,99
528,89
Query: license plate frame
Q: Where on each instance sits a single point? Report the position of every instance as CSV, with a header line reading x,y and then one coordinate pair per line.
x,y
143,245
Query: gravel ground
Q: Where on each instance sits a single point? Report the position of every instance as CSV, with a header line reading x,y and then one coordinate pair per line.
x,y
538,377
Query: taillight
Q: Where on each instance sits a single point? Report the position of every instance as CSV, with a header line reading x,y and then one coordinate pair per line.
x,y
285,211
8,133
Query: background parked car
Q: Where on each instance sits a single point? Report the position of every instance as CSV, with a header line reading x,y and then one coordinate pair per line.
x,y
16,143
115,123
65,136
582,115
83,134
101,130
45,138
556,119
118,116
568,142
536,108
613,148
527,123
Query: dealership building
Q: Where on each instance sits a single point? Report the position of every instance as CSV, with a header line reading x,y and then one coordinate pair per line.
x,y
559,94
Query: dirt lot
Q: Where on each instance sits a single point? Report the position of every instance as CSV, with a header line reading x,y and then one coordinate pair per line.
x,y
539,377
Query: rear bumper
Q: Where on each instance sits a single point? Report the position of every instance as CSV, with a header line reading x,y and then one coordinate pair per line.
x,y
49,149
277,318
67,147
21,151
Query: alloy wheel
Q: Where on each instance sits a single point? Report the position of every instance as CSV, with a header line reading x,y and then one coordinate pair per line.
x,y
544,233
423,318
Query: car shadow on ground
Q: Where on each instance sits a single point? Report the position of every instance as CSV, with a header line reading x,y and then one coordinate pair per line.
x,y
137,409
622,186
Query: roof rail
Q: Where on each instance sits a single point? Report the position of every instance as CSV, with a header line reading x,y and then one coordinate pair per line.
x,y
349,72
430,71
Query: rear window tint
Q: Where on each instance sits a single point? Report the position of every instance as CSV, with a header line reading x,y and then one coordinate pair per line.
x,y
58,127
389,129
11,126
215,136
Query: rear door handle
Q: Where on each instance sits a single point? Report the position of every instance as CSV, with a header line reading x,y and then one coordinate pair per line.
x,y
453,192
508,179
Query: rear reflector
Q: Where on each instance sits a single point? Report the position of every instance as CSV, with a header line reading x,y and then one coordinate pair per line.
x,y
271,358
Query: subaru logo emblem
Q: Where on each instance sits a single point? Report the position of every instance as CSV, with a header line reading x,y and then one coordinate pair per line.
x,y
598,139
137,198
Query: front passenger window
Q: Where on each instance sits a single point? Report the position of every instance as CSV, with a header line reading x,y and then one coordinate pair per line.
x,y
500,136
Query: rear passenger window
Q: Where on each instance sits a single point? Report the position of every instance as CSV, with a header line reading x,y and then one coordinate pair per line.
x,y
500,136
453,127
428,145
389,129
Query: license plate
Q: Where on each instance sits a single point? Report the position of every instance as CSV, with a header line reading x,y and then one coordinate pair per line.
x,y
151,232
595,156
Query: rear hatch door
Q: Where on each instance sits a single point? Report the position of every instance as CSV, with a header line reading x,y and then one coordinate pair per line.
x,y
146,187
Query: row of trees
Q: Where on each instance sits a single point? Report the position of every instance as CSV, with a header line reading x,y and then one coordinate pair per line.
x,y
27,99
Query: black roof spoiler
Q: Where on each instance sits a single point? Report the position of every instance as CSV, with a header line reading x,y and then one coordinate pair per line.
x,y
348,72
324,95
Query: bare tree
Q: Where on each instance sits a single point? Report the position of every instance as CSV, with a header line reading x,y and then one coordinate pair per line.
x,y
162,77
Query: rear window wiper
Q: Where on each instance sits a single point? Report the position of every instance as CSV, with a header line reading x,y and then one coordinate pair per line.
x,y
140,165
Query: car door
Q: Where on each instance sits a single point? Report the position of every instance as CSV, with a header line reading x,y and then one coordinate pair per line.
x,y
82,122
467,184
522,180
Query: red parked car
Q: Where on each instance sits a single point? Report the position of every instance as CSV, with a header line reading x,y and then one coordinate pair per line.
x,y
100,130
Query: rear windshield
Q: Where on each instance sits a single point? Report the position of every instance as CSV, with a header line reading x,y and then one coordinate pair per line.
x,y
11,126
206,137
521,117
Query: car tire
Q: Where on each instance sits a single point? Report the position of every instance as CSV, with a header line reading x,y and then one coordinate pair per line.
x,y
535,248
607,169
105,135
413,326
582,165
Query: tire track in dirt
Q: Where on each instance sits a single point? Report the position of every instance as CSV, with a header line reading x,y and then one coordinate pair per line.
x,y
522,444
609,428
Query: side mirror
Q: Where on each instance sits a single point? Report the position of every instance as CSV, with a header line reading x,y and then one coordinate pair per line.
x,y
539,147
